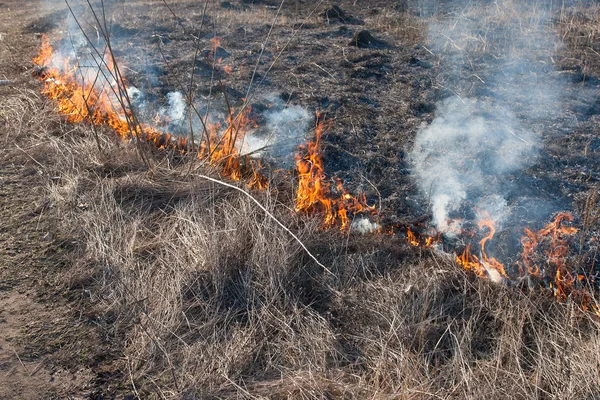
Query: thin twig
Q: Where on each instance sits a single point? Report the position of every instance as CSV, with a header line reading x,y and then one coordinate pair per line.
x,y
217,181
28,155
23,365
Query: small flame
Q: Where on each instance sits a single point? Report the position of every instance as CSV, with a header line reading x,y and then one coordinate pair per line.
x,y
84,102
418,241
492,266
564,283
412,239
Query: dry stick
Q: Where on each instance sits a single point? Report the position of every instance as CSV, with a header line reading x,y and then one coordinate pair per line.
x,y
23,365
133,123
29,155
374,187
190,96
262,50
191,105
246,103
85,98
234,125
137,394
263,46
120,82
177,19
201,118
193,70
231,118
193,77
217,181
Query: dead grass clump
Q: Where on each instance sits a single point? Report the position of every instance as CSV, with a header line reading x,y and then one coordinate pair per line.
x,y
579,28
210,298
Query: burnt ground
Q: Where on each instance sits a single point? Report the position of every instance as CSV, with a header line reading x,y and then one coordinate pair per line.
x,y
376,89
376,95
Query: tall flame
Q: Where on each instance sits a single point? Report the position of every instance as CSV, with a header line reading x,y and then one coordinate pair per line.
x,y
315,195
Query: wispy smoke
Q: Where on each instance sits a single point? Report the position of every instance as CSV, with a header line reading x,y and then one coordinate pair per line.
x,y
84,49
463,159
286,127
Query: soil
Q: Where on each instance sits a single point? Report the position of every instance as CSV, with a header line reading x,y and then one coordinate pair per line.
x,y
50,345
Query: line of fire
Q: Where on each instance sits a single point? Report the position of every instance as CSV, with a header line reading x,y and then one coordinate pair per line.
x,y
547,258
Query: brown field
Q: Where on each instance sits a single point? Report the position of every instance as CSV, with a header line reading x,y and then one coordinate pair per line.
x,y
132,272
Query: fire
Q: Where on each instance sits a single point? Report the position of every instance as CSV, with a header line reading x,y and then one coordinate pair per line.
x,y
470,262
417,240
484,265
314,194
492,266
412,238
228,69
81,100
544,257
564,283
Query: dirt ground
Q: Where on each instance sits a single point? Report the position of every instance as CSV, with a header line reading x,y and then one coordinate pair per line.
x,y
44,327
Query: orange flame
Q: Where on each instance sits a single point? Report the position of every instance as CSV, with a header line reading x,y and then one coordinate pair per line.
x,y
564,284
314,193
84,102
417,241
491,264
412,238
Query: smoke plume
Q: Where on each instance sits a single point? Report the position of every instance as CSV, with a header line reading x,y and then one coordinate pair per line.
x,y
497,71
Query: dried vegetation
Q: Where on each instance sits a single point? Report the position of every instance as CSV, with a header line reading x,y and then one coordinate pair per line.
x,y
206,296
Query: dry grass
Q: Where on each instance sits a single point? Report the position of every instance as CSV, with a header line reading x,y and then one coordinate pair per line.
x,y
580,29
212,299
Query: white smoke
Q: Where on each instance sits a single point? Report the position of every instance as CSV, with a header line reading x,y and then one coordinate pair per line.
x,y
464,153
464,158
176,107
286,128
364,226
